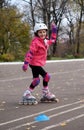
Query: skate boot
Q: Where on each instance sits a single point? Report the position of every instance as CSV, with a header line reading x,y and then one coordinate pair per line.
x,y
48,96
28,98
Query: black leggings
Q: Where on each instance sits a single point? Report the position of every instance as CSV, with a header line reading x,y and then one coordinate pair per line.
x,y
36,71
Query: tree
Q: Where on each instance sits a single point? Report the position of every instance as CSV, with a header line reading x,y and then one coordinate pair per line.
x,y
2,2
74,16
45,11
14,33
80,5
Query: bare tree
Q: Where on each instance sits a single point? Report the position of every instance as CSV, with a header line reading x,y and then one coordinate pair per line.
x,y
46,11
80,3
59,8
70,29
2,2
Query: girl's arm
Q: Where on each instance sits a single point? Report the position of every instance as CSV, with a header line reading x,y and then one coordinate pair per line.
x,y
53,31
53,34
27,59
29,55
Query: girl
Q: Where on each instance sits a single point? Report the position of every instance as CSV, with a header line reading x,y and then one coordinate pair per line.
x,y
36,58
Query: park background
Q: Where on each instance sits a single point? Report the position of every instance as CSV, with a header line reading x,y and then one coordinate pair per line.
x,y
17,20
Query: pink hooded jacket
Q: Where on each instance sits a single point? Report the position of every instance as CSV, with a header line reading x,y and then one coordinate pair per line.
x,y
37,53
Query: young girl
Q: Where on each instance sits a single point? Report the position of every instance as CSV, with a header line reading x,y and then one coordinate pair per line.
x,y
36,58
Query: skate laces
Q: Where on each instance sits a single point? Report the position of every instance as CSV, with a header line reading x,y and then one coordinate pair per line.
x,y
48,94
27,93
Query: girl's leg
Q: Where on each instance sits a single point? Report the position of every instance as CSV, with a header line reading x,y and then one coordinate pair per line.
x,y
36,79
46,78
36,71
35,82
46,93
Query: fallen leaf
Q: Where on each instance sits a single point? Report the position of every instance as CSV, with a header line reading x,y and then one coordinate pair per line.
x,y
63,124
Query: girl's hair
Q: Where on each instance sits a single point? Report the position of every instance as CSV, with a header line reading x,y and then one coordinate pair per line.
x,y
36,34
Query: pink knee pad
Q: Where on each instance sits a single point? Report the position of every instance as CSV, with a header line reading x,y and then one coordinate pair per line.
x,y
47,77
36,81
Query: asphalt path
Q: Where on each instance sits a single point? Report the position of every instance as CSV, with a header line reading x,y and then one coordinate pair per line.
x,y
67,83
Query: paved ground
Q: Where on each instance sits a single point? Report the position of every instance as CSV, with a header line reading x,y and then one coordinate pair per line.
x,y
67,83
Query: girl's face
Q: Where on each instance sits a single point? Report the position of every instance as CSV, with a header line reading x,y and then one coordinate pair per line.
x,y
42,33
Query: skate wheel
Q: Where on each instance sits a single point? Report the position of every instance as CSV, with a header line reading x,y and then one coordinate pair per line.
x,y
35,102
25,103
42,100
45,100
56,100
30,103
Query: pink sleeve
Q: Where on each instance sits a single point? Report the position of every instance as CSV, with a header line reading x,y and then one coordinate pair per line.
x,y
28,57
32,50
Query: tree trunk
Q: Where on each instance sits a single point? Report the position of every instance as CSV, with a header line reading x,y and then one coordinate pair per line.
x,y
78,32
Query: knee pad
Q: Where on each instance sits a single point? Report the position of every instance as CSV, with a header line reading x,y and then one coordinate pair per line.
x,y
47,77
36,81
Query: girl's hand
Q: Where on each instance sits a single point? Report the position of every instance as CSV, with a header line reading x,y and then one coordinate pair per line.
x,y
53,25
53,31
25,66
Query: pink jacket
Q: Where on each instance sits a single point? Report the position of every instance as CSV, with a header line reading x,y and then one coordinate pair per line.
x,y
37,53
